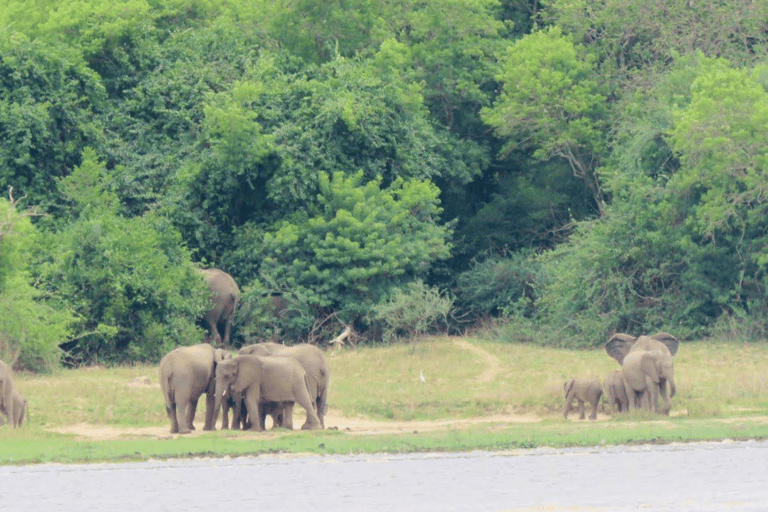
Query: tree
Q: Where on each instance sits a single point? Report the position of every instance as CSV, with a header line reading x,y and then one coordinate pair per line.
x,y
358,244
31,325
551,102
49,103
130,282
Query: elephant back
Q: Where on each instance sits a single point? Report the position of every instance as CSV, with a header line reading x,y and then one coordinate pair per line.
x,y
620,344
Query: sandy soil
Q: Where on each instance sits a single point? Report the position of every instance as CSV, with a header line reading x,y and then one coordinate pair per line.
x,y
333,420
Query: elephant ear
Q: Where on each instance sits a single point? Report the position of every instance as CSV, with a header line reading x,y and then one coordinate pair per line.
x,y
618,346
648,366
670,341
220,355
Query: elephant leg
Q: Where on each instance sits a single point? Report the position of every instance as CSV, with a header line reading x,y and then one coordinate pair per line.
x,y
568,401
227,332
581,408
171,410
312,422
665,396
632,394
286,415
252,404
210,405
594,404
183,408
652,393
191,412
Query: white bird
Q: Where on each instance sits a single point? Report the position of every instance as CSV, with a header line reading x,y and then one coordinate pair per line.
x,y
421,376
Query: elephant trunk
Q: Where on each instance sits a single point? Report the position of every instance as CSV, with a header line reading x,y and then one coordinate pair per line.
x,y
218,398
672,388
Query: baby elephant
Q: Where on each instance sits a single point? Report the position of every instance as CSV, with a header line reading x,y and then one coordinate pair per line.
x,y
19,409
582,390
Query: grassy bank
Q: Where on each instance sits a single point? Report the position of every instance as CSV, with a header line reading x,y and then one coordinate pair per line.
x,y
722,393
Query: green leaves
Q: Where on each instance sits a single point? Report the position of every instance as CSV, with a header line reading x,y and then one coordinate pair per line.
x,y
359,242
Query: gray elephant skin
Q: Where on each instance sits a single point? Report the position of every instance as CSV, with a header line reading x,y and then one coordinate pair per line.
x,y
266,379
225,295
6,394
311,359
185,374
19,409
615,392
582,390
647,367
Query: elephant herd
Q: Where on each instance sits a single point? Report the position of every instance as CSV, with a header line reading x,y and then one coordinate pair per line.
x,y
262,379
646,369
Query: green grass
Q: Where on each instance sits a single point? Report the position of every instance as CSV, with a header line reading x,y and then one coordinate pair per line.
x,y
722,393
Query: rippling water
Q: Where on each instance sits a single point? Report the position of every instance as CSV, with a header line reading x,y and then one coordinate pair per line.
x,y
690,477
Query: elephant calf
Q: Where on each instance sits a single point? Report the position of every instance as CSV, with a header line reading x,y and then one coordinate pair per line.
x,y
614,386
583,390
19,409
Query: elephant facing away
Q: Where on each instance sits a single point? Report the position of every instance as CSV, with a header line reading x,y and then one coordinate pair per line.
x,y
615,391
225,295
583,390
647,367
185,374
7,402
19,409
266,379
311,359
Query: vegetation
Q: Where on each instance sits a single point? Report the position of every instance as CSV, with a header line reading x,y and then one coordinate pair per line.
x,y
562,168
474,399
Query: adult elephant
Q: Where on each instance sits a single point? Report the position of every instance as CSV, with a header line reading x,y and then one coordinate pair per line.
x,y
225,295
7,401
647,367
266,379
311,359
185,374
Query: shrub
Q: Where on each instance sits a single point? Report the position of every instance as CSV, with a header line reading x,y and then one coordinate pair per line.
x,y
412,312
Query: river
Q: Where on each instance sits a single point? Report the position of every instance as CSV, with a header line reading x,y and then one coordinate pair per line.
x,y
718,476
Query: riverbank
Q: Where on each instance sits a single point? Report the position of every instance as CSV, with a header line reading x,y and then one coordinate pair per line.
x,y
475,394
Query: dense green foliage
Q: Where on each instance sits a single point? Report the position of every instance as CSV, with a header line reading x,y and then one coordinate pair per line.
x,y
570,166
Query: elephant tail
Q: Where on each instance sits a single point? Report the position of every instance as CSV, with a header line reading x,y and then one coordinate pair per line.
x,y
168,394
568,385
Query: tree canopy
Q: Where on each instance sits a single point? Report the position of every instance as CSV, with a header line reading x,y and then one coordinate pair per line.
x,y
572,168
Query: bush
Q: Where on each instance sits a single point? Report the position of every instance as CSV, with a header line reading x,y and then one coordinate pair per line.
x,y
497,283
413,312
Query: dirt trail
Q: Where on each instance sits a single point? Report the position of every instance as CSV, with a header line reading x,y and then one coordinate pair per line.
x,y
491,361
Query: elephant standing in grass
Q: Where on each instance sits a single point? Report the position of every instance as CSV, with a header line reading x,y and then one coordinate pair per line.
x,y
615,391
647,368
583,390
311,359
225,295
19,409
266,379
185,374
7,402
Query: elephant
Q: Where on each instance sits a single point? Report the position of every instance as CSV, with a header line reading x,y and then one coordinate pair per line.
x,y
615,392
583,390
311,359
647,367
7,401
19,408
266,379
240,418
225,296
185,374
